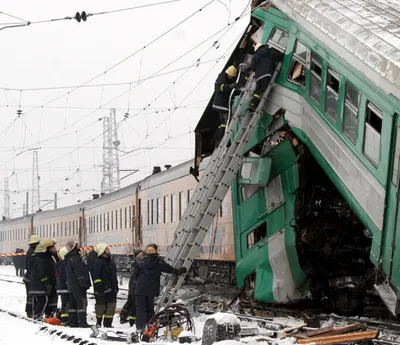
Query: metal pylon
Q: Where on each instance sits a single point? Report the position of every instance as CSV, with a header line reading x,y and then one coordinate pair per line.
x,y
6,212
35,183
111,173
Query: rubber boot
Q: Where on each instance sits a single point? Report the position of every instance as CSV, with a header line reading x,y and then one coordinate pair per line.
x,y
122,319
131,321
99,319
107,322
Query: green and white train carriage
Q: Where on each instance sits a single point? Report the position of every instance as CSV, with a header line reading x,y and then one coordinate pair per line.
x,y
339,88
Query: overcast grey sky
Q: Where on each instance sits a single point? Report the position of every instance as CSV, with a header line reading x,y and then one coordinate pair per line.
x,y
68,53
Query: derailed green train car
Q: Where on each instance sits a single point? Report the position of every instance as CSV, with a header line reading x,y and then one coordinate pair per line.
x,y
316,200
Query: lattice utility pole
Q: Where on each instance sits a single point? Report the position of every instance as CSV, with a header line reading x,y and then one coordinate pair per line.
x,y
105,183
111,179
115,181
6,212
35,184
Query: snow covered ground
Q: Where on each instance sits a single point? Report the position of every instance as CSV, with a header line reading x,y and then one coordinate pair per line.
x,y
14,330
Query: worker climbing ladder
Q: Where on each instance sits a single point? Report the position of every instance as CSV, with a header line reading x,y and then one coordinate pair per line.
x,y
224,164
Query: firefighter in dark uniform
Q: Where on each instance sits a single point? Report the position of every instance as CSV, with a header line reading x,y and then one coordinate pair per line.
x,y
62,289
33,242
43,280
147,275
128,311
263,64
105,285
78,282
90,260
224,85
19,262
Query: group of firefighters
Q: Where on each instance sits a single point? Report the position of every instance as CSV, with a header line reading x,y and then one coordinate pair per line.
x,y
50,274
263,64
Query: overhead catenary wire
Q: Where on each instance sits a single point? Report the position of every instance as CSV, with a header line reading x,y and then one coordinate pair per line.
x,y
51,20
101,134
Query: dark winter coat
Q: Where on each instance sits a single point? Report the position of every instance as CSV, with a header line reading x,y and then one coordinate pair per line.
x,y
90,260
29,263
105,276
222,92
18,260
147,275
62,288
265,61
133,278
43,275
76,271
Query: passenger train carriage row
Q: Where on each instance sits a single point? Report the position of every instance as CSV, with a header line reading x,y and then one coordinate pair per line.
x,y
160,200
315,203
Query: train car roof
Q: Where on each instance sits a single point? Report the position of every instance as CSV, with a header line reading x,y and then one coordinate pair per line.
x,y
63,211
18,220
367,30
170,174
119,194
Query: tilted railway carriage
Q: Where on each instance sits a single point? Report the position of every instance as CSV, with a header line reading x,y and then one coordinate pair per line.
x,y
316,200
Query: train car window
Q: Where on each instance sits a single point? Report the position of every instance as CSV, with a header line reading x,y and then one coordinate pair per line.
x,y
173,208
166,209
130,217
104,222
148,212
257,235
372,139
159,211
112,220
396,157
97,223
182,204
154,203
297,69
315,77
279,39
70,228
108,221
223,210
352,100
190,194
332,91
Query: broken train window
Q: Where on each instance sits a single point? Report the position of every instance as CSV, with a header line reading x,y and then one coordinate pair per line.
x,y
257,235
279,39
297,66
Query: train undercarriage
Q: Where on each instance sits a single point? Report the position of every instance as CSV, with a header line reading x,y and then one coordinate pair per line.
x,y
332,244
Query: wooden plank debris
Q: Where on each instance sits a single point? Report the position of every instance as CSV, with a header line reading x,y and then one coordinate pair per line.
x,y
340,338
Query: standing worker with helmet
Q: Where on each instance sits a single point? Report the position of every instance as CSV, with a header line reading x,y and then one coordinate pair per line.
x,y
62,289
33,242
78,282
43,279
263,64
223,87
128,311
105,285
147,275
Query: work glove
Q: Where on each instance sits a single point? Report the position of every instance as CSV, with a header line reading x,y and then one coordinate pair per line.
x,y
233,86
182,270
